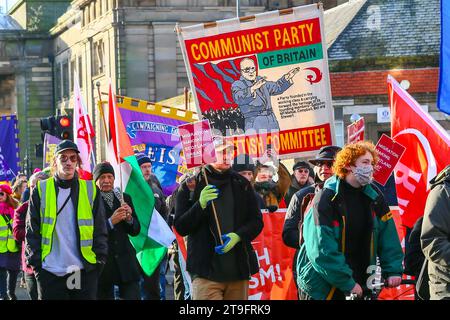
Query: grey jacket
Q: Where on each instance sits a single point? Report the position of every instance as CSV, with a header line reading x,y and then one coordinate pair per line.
x,y
435,236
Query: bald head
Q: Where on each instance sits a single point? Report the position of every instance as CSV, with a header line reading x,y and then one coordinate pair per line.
x,y
248,69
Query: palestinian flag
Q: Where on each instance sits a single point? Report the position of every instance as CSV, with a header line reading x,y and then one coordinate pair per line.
x,y
155,235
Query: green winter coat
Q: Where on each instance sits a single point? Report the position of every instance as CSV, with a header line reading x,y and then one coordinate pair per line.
x,y
321,265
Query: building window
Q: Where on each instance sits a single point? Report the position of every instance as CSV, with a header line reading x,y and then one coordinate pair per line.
x,y
86,15
99,55
65,79
339,131
80,72
73,70
99,8
58,82
92,9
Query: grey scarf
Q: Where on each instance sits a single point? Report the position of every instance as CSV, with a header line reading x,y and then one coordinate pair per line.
x,y
109,198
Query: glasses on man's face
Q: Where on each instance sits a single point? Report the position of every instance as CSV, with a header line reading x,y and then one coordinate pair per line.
x,y
303,170
249,69
325,163
72,158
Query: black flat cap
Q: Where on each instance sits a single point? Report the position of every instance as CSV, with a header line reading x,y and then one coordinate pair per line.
x,y
66,145
327,153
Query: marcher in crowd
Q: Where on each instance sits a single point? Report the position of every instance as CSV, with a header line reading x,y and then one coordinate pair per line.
x,y
179,277
122,267
18,189
244,165
66,236
435,237
348,226
265,173
323,164
19,235
299,179
150,286
219,271
9,250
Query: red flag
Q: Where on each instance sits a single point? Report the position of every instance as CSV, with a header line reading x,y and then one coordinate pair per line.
x,y
355,131
427,151
117,133
83,133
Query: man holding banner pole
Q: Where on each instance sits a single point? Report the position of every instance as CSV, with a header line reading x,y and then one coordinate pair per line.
x,y
219,271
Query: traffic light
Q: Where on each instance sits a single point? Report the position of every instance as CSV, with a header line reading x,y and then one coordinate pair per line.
x,y
64,129
48,125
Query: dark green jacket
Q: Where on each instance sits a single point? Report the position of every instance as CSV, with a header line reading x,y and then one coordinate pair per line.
x,y
321,264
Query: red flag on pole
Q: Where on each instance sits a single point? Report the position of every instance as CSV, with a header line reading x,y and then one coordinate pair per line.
x,y
427,151
118,138
83,132
355,131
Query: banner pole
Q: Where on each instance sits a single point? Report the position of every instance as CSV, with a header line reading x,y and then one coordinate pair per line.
x,y
117,144
214,209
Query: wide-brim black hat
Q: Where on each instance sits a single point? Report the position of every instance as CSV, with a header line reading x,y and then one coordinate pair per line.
x,y
327,153
66,145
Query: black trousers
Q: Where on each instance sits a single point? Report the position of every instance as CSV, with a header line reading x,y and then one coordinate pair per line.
x,y
8,280
81,286
178,281
31,282
150,286
127,291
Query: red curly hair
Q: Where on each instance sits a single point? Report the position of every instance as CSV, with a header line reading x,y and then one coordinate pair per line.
x,y
350,153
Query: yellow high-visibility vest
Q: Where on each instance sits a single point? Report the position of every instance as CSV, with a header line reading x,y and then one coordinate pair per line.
x,y
86,196
7,241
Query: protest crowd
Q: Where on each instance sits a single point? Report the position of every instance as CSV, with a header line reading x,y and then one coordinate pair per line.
x,y
55,223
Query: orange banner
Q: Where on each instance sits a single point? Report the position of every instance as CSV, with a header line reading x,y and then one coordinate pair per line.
x,y
275,280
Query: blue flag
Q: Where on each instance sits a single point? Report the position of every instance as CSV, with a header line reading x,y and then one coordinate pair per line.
x,y
9,148
443,102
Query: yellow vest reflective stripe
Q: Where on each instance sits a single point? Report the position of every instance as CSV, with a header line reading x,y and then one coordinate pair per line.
x,y
85,219
7,241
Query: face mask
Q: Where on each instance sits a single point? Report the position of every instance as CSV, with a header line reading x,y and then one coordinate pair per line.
x,y
363,174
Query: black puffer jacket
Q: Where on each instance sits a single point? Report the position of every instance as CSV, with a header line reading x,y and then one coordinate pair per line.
x,y
199,225
435,236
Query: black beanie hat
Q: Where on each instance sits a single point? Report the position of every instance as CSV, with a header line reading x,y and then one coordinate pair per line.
x,y
142,158
101,168
243,162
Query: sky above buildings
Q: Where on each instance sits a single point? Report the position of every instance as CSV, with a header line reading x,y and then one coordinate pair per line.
x,y
6,4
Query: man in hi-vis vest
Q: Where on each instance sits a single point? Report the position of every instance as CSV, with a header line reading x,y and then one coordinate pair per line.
x,y
66,236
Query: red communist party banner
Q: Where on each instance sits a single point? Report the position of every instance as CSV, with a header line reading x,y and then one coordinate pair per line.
x,y
427,151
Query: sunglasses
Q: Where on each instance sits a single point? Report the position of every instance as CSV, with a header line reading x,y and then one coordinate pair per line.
x,y
303,170
72,158
328,164
2,194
